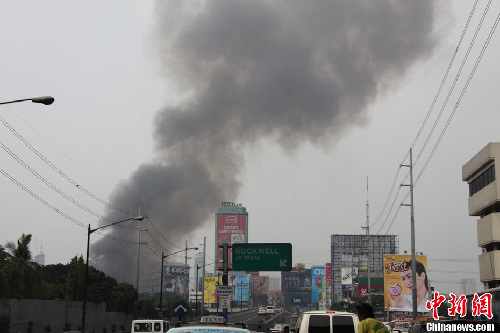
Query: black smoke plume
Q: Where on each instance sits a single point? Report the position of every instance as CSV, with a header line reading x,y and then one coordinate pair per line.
x,y
284,71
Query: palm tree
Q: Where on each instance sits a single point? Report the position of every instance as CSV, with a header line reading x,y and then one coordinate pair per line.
x,y
20,256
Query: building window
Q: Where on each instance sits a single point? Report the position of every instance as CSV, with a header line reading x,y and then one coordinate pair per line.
x,y
481,181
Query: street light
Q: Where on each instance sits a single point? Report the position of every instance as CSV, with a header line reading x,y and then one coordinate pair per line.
x,y
89,232
47,100
161,272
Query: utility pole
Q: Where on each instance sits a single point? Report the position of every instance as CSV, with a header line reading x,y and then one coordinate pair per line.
x,y
368,243
412,227
186,288
203,276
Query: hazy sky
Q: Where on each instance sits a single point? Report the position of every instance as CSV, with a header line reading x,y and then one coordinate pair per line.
x,y
167,110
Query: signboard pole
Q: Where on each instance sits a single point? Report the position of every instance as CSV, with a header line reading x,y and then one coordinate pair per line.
x,y
225,270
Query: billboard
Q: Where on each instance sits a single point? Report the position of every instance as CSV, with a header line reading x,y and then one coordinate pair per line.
x,y
174,277
328,273
349,275
296,281
260,285
241,286
318,282
230,229
398,282
209,288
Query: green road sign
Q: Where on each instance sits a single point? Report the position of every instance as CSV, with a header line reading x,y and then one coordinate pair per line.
x,y
262,257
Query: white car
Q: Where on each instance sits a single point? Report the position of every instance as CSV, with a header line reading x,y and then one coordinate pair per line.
x,y
337,321
270,309
208,329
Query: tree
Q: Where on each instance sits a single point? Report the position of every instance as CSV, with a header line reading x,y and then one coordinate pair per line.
x,y
124,297
4,324
74,283
23,274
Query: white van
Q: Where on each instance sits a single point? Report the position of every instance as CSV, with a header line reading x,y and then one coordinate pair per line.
x,y
270,309
150,325
328,322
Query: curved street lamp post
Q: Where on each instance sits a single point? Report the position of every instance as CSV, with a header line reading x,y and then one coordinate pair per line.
x,y
89,232
161,272
47,100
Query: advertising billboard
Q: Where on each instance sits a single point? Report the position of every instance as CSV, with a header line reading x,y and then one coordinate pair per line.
x,y
241,286
209,288
349,275
328,273
318,284
230,229
174,277
296,281
260,285
398,282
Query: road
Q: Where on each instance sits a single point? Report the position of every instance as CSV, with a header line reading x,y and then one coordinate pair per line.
x,y
255,322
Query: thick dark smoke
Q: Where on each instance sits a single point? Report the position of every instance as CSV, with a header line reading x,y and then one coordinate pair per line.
x,y
284,71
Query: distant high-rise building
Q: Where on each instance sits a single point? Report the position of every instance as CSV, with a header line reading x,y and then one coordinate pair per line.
x,y
467,286
480,173
197,273
231,226
274,283
350,251
40,258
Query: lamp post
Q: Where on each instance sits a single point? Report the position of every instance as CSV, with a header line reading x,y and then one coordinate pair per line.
x,y
89,232
161,272
47,100
196,290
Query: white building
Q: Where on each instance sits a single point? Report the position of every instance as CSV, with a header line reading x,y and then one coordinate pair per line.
x,y
484,202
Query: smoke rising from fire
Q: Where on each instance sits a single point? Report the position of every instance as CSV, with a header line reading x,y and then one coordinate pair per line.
x,y
284,71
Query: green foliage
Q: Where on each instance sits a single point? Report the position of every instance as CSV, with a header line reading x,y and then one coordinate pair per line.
x,y
20,277
67,327
75,280
29,328
122,328
4,324
146,308
48,329
113,328
124,297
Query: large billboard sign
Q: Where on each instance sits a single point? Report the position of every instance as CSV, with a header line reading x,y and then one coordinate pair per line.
x,y
260,285
230,229
209,290
262,257
296,281
318,282
398,282
349,275
241,286
328,273
174,277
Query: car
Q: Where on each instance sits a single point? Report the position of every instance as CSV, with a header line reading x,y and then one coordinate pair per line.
x,y
208,329
328,321
262,311
277,328
150,325
270,309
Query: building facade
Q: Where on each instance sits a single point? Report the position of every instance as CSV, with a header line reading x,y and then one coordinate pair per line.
x,y
231,226
354,253
484,202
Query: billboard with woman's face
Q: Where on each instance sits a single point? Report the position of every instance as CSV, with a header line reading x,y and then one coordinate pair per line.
x,y
398,284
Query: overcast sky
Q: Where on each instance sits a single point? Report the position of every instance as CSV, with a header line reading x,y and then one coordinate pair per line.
x,y
288,109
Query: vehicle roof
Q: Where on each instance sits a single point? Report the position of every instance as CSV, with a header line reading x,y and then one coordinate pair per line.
x,y
330,312
208,328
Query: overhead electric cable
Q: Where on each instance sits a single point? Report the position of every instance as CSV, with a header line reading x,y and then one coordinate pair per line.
x,y
59,171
